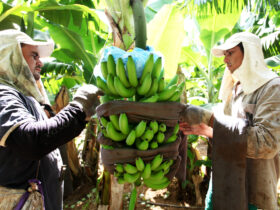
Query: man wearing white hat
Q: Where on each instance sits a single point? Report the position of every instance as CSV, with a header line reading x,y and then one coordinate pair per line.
x,y
28,138
246,135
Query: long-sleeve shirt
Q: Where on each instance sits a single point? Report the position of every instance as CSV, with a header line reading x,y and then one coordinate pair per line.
x,y
30,136
249,136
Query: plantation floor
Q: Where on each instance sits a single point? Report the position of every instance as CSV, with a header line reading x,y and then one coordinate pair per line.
x,y
167,199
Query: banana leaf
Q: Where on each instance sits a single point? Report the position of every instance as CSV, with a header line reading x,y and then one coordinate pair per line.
x,y
166,34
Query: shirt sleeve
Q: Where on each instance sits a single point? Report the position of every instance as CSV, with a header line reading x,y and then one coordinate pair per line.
x,y
13,111
263,139
34,140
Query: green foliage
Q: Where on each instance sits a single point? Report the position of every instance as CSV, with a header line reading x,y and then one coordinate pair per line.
x,y
75,27
167,25
152,9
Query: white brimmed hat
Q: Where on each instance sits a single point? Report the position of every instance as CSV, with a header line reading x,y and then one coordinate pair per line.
x,y
234,40
45,49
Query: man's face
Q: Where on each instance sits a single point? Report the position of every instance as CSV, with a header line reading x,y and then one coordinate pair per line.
x,y
233,58
30,53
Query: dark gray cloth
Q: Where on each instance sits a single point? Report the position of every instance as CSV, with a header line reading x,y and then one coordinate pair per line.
x,y
36,139
229,163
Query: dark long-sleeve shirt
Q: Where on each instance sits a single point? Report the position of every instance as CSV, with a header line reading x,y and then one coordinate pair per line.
x,y
30,136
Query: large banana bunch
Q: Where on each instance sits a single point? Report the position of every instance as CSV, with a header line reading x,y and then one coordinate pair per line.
x,y
143,135
121,81
152,173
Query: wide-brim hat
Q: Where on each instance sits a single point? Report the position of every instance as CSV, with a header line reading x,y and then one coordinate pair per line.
x,y
45,48
234,40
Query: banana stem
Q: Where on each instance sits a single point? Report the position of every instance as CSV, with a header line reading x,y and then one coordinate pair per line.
x,y
133,198
139,23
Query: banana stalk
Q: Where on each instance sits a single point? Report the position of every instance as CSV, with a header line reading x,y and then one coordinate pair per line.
x,y
139,24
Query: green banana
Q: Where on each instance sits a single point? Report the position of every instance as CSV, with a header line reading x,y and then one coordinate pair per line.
x,y
153,145
176,96
151,99
161,85
120,180
140,128
123,124
162,127
147,171
113,134
122,90
163,166
115,120
110,84
157,68
154,87
130,168
157,176
148,134
142,145
130,139
154,125
103,85
104,69
176,128
160,137
146,85
103,121
111,66
140,165
131,72
121,73
171,139
173,81
148,67
119,168
157,186
170,162
156,161
166,171
131,178
167,93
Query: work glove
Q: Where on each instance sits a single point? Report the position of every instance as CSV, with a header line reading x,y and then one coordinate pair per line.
x,y
86,97
194,115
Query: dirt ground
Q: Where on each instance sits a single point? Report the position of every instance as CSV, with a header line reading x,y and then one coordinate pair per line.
x,y
84,198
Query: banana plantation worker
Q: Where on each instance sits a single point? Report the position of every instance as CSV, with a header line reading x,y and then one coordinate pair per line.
x,y
246,135
28,139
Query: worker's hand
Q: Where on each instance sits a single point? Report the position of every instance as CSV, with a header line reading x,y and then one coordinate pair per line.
x,y
198,129
195,115
87,97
